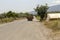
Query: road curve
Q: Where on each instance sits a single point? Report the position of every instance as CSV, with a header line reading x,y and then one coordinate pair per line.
x,y
24,30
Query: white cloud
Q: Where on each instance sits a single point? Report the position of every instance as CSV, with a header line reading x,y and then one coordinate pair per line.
x,y
55,2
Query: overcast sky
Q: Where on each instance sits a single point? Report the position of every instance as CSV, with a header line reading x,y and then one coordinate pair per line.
x,y
24,5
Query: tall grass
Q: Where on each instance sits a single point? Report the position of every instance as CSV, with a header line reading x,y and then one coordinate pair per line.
x,y
53,24
5,20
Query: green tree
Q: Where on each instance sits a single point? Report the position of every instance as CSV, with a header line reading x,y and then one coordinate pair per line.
x,y
9,14
12,14
42,11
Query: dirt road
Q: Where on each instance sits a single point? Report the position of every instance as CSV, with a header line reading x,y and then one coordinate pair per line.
x,y
24,30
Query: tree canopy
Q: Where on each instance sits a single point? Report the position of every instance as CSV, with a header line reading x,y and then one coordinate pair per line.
x,y
42,11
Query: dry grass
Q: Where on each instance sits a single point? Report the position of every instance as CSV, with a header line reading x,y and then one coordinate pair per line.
x,y
53,24
6,20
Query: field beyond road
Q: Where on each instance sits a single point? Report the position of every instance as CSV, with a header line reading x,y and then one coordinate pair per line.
x,y
24,30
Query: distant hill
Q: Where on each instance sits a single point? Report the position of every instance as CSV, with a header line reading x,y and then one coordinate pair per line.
x,y
33,12
55,8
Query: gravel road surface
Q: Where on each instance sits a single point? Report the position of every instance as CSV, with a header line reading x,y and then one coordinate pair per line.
x,y
24,30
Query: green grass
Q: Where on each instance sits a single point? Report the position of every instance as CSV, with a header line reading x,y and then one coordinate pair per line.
x,y
38,17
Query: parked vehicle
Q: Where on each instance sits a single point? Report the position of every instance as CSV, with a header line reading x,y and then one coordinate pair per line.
x,y
30,17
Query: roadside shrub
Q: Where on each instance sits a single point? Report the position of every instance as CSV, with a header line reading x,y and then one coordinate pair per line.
x,y
5,20
11,16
